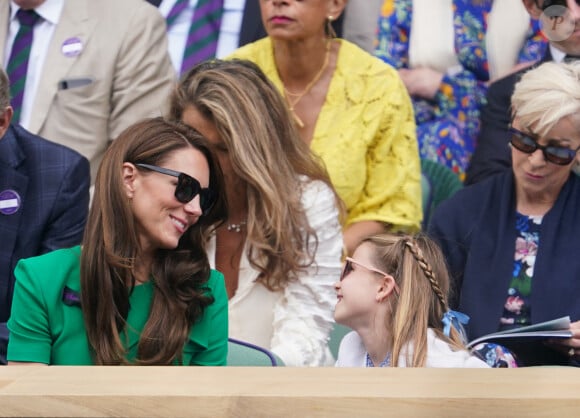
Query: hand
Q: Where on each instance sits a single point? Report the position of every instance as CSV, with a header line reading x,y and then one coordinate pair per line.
x,y
569,346
356,232
422,82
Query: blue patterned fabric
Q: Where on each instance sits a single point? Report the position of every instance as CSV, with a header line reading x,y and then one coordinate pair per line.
x,y
517,308
495,355
447,127
385,363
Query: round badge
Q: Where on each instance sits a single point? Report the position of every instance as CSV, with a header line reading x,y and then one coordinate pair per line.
x,y
9,202
72,47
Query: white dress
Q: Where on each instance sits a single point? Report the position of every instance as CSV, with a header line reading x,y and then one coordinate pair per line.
x,y
352,353
294,323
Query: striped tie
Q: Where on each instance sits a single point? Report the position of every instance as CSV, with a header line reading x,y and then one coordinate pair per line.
x,y
178,7
18,61
203,33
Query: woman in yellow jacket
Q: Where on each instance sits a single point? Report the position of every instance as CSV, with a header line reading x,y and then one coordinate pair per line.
x,y
351,108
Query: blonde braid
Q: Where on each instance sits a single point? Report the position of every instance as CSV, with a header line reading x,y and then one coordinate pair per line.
x,y
418,255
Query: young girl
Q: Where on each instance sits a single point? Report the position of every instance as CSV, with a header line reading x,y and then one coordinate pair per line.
x,y
393,294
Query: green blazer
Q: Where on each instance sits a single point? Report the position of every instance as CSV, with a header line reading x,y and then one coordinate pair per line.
x,y
46,328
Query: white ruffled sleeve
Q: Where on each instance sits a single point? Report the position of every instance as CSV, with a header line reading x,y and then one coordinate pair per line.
x,y
303,318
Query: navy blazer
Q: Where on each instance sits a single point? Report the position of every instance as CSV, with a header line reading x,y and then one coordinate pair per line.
x,y
53,184
476,229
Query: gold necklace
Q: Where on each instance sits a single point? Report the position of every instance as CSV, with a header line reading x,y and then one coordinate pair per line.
x,y
299,96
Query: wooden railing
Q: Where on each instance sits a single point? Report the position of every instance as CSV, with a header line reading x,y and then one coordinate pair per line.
x,y
288,392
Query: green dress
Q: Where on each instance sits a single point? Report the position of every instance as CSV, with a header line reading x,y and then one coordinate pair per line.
x,y
45,329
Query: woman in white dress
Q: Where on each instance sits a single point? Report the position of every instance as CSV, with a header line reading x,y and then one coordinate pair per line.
x,y
280,249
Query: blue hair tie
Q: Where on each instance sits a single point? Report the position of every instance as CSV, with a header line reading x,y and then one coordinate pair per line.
x,y
455,319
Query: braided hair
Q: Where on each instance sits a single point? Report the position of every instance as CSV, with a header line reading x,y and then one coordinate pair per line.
x,y
427,270
419,269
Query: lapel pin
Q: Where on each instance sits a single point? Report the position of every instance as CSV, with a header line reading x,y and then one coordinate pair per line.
x,y
72,47
9,202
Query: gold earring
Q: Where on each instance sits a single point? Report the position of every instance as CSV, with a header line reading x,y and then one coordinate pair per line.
x,y
330,32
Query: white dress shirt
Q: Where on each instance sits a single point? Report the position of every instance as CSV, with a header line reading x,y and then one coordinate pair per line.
x,y
557,55
229,36
50,11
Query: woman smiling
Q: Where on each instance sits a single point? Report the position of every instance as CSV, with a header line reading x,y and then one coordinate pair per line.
x,y
140,291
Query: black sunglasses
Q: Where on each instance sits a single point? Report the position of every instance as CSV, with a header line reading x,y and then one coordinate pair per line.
x,y
187,187
547,3
554,154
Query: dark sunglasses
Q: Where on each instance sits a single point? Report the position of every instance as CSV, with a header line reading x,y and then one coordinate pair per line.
x,y
554,154
187,187
547,3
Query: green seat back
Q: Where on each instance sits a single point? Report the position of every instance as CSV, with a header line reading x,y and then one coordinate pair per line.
x,y
443,183
241,353
336,335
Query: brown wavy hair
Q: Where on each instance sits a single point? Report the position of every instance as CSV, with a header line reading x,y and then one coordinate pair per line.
x,y
419,269
111,250
267,153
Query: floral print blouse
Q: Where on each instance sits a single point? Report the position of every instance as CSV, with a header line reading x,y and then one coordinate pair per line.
x,y
517,309
447,126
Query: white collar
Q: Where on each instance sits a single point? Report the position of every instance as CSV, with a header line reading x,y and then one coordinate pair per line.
x,y
557,55
49,10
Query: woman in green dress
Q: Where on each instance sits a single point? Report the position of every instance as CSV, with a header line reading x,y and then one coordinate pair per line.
x,y
140,289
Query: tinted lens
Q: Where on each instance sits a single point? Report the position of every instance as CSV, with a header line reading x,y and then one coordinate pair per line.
x,y
187,188
559,155
523,142
347,269
555,155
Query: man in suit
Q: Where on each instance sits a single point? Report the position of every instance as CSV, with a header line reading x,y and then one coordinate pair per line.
x,y
492,154
96,67
241,24
44,198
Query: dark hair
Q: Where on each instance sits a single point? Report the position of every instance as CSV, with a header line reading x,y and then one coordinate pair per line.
x,y
110,248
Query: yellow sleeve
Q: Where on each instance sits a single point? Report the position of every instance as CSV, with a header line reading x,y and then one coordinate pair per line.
x,y
392,191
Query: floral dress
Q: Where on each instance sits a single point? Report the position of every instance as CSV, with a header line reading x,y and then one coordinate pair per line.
x,y
447,126
517,308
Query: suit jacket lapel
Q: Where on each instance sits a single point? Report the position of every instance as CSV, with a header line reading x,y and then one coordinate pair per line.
x,y
75,22
11,157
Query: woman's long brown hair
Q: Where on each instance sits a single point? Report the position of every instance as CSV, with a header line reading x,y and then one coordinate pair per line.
x,y
111,248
